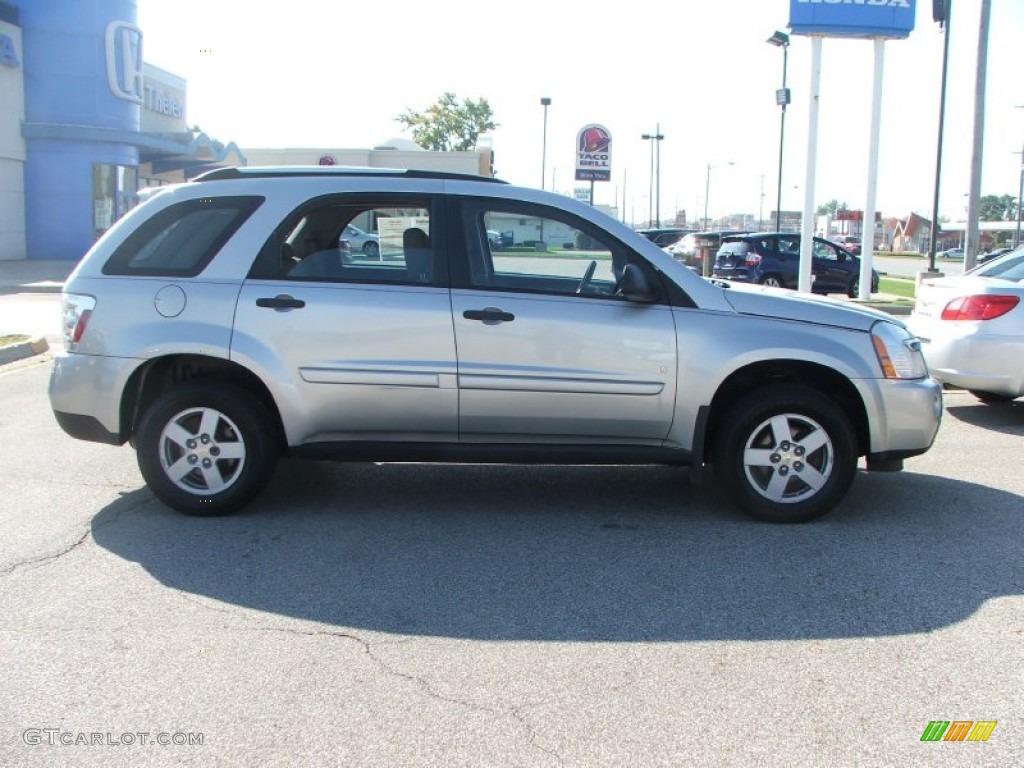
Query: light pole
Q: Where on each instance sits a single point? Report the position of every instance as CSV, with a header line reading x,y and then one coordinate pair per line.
x,y
544,102
707,190
657,136
782,98
1020,194
706,255
942,13
650,193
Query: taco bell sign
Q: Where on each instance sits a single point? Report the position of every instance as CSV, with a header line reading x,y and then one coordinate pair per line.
x,y
593,153
892,19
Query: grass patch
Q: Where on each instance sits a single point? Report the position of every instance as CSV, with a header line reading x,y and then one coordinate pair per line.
x,y
553,252
898,286
13,338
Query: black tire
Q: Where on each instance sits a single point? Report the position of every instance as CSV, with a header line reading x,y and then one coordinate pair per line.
x,y
854,288
992,398
772,281
239,425
820,441
371,248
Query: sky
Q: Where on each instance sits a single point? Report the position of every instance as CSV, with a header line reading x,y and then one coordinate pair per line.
x,y
310,73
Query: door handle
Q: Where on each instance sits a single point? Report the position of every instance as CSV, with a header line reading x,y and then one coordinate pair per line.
x,y
489,315
281,302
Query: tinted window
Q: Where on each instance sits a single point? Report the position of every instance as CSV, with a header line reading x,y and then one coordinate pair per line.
x,y
354,239
789,246
553,252
182,239
739,247
826,251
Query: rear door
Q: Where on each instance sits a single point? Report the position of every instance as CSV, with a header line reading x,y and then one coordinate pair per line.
x,y
359,347
547,351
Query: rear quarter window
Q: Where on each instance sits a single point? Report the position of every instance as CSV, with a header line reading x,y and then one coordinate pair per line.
x,y
180,240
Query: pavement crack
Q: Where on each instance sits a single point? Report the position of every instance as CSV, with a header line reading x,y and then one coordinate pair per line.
x,y
46,559
43,560
419,682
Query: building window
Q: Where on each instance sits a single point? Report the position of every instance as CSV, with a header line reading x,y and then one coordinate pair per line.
x,y
114,193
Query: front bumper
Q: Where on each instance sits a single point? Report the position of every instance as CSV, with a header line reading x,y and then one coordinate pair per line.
x,y
907,418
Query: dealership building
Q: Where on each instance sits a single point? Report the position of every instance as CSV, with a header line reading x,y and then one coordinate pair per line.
x,y
86,124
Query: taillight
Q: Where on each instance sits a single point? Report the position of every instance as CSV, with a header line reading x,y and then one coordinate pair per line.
x,y
76,311
752,260
979,307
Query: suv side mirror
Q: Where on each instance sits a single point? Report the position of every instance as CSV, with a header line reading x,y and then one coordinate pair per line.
x,y
634,285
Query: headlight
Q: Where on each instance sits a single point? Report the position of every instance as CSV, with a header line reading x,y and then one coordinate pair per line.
x,y
899,353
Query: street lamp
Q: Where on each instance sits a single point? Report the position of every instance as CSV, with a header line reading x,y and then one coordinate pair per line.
x,y
706,259
657,136
707,189
544,102
1020,194
782,98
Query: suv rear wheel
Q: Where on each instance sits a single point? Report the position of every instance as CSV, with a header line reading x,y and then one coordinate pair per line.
x,y
785,454
206,448
772,281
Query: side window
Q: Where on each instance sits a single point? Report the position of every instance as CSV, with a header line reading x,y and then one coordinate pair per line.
x,y
353,240
790,246
540,250
825,251
180,240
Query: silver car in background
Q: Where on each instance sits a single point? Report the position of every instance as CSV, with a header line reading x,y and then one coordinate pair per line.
x,y
215,328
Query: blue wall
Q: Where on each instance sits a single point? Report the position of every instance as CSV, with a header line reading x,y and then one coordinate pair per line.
x,y
65,70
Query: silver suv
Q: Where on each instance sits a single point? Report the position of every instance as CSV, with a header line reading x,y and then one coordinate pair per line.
x,y
222,323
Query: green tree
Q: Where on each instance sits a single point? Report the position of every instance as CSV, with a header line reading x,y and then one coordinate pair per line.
x,y
831,207
998,207
448,126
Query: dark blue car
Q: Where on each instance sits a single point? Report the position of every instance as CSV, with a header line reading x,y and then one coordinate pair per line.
x,y
773,258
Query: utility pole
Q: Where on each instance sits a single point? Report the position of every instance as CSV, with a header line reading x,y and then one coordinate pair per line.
x,y
973,201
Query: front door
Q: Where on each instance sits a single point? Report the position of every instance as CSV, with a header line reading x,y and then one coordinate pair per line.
x,y
547,352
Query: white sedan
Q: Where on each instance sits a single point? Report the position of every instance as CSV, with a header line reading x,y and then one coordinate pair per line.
x,y
972,328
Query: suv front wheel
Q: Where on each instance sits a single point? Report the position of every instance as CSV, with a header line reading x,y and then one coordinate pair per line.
x,y
785,454
206,448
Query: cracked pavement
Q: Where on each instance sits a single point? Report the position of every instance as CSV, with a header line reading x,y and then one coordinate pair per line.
x,y
408,615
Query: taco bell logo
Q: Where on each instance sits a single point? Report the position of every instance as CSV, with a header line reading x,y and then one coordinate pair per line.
x,y
124,61
594,139
593,153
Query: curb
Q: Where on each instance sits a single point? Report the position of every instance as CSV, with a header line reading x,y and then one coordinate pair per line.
x,y
20,351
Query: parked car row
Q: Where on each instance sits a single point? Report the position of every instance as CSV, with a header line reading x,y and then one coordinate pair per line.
x,y
690,248
773,259
664,236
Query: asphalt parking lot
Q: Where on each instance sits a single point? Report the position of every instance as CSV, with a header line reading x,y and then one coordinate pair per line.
x,y
408,614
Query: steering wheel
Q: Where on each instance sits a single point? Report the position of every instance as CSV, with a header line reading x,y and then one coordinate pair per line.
x,y
586,277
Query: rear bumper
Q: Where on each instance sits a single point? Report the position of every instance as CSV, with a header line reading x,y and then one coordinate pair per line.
x,y
85,394
82,427
959,355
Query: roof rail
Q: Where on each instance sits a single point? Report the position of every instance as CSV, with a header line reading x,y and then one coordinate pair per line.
x,y
281,171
